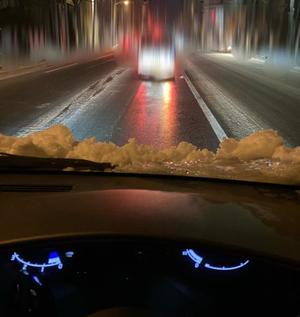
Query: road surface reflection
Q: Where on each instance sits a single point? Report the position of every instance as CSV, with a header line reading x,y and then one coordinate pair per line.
x,y
151,118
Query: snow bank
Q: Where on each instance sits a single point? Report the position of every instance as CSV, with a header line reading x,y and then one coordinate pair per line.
x,y
56,141
261,144
262,156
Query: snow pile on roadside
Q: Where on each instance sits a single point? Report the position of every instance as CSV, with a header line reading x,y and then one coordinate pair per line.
x,y
261,156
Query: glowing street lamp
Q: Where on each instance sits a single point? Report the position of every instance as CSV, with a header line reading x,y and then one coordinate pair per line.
x,y
126,3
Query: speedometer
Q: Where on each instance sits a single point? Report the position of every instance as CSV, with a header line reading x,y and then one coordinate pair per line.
x,y
53,261
199,260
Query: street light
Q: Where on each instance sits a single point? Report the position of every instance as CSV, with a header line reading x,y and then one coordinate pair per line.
x,y
123,2
93,3
126,2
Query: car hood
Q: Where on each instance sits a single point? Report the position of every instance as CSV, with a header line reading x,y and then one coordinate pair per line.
x,y
257,217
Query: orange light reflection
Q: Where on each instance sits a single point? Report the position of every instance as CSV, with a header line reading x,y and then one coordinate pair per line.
x,y
167,93
168,115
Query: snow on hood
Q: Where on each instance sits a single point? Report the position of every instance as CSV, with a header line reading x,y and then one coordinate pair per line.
x,y
261,156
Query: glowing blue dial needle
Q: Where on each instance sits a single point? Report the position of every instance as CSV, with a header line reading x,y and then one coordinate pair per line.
x,y
194,256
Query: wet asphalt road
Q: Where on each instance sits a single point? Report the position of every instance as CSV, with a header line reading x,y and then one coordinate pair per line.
x,y
103,99
247,96
25,99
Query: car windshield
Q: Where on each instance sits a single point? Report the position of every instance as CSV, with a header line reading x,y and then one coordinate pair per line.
x,y
183,87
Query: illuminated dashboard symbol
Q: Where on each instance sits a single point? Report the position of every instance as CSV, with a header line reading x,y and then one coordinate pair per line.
x,y
194,256
226,268
69,254
53,260
199,259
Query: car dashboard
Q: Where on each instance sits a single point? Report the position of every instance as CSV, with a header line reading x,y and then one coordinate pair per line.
x,y
131,245
81,277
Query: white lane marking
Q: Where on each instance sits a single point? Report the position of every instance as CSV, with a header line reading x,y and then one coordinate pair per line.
x,y
22,73
104,56
241,121
219,132
256,60
59,68
43,105
108,61
295,69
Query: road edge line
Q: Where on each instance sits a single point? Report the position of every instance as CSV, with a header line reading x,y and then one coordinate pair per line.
x,y
60,68
218,130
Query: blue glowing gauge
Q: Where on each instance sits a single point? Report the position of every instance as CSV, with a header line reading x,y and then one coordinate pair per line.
x,y
197,259
194,256
226,268
53,261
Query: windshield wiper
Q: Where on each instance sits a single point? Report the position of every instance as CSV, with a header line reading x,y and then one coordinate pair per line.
x,y
11,162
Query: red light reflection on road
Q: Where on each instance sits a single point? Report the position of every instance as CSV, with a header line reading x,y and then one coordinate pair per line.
x,y
168,114
140,99
151,118
157,113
